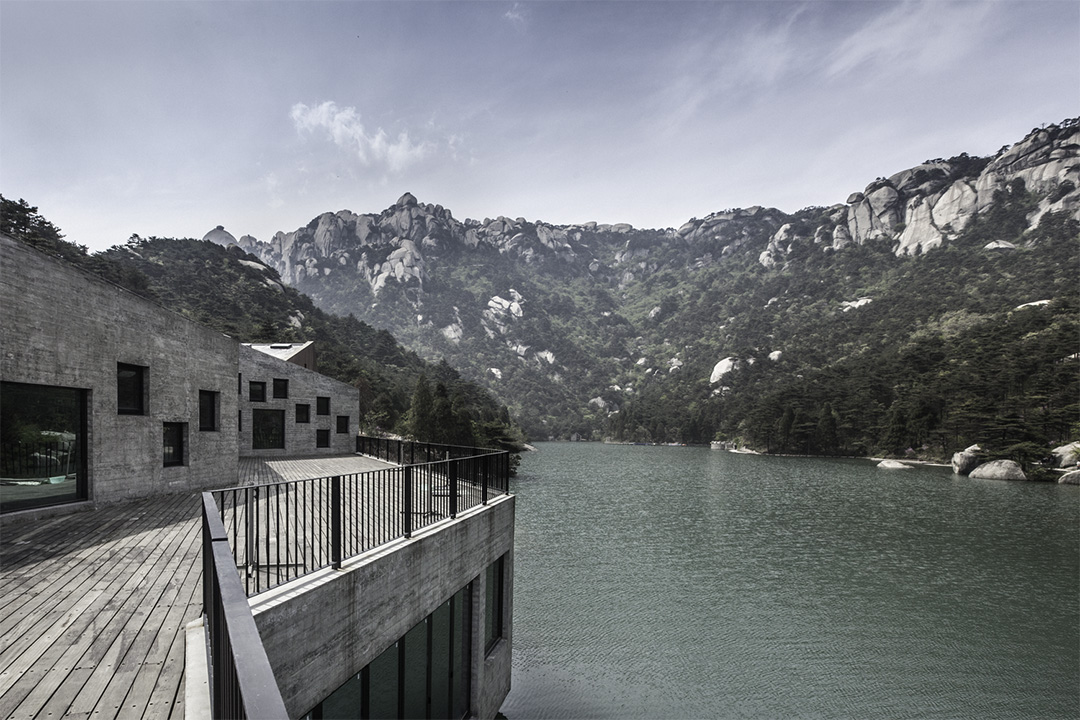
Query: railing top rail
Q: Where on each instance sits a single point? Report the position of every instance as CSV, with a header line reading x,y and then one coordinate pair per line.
x,y
358,474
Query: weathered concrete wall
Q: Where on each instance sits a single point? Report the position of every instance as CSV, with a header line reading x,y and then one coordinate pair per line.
x,y
64,327
320,631
304,387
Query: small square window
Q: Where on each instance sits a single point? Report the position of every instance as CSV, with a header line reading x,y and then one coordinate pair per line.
x,y
208,410
173,441
131,389
257,391
343,424
322,438
281,388
322,406
303,413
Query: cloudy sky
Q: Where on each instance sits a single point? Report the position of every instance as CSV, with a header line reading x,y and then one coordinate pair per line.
x,y
168,118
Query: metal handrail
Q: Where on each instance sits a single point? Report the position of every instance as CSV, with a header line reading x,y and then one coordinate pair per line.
x,y
242,683
279,532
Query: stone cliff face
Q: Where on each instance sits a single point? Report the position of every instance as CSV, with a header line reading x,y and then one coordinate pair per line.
x,y
921,208
915,210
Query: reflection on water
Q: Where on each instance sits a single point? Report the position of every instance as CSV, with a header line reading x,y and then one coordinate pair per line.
x,y
685,582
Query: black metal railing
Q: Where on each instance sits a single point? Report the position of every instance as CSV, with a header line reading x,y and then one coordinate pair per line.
x,y
282,531
242,683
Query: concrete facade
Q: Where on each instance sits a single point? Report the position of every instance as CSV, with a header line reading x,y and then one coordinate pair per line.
x,y
60,326
304,387
322,629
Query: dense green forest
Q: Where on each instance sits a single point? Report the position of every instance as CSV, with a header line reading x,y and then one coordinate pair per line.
x,y
226,289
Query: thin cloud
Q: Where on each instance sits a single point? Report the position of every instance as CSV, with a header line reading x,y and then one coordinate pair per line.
x,y
919,36
344,127
516,17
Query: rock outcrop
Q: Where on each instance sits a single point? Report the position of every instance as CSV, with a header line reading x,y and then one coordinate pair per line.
x,y
965,461
893,465
999,470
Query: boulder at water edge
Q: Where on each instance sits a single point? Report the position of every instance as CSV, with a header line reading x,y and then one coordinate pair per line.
x,y
1070,478
893,465
999,470
966,460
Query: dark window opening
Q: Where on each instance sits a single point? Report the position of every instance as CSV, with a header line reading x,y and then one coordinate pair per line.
x,y
343,424
208,410
322,406
131,389
322,438
257,391
268,429
281,388
303,413
173,443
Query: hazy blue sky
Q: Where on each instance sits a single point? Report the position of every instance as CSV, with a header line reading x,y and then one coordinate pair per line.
x,y
168,118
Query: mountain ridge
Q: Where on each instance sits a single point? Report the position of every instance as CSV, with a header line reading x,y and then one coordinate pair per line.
x,y
571,325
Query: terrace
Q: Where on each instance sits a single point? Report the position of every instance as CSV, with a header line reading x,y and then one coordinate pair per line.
x,y
97,602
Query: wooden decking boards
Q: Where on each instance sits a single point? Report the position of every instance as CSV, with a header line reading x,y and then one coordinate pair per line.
x,y
95,603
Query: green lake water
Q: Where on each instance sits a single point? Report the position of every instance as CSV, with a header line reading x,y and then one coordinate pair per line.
x,y
664,582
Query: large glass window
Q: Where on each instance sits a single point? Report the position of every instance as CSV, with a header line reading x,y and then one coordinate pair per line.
x,y
43,445
174,441
267,429
131,389
425,674
208,410
281,388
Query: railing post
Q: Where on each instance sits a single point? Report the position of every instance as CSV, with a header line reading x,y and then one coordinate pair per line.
x,y
407,474
335,522
452,473
484,481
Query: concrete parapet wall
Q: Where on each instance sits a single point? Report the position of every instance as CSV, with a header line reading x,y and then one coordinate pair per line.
x,y
321,630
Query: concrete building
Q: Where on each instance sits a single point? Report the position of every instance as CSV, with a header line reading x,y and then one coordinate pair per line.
x,y
107,397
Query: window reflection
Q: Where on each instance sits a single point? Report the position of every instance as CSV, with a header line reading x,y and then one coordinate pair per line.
x,y
42,445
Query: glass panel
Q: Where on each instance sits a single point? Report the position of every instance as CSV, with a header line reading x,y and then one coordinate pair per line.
x,y
173,444
281,388
415,671
303,413
208,410
130,389
440,661
322,406
257,391
383,685
267,429
322,438
42,445
343,423
344,703
460,650
493,602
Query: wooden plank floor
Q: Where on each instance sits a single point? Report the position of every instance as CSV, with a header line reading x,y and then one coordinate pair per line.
x,y
95,603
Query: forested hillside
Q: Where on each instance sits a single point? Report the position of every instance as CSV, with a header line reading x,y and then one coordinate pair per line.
x,y
935,309
229,290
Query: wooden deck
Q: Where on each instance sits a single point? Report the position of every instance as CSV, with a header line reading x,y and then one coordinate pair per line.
x,y
95,603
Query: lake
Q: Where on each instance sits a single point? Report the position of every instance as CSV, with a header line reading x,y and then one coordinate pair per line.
x,y
671,582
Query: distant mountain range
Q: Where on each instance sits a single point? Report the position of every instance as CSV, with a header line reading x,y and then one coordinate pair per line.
x,y
934,309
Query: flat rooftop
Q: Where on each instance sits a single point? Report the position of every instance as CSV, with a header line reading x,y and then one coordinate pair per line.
x,y
96,602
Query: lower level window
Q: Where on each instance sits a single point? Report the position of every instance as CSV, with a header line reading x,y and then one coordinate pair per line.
x,y
173,437
267,429
322,438
493,605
